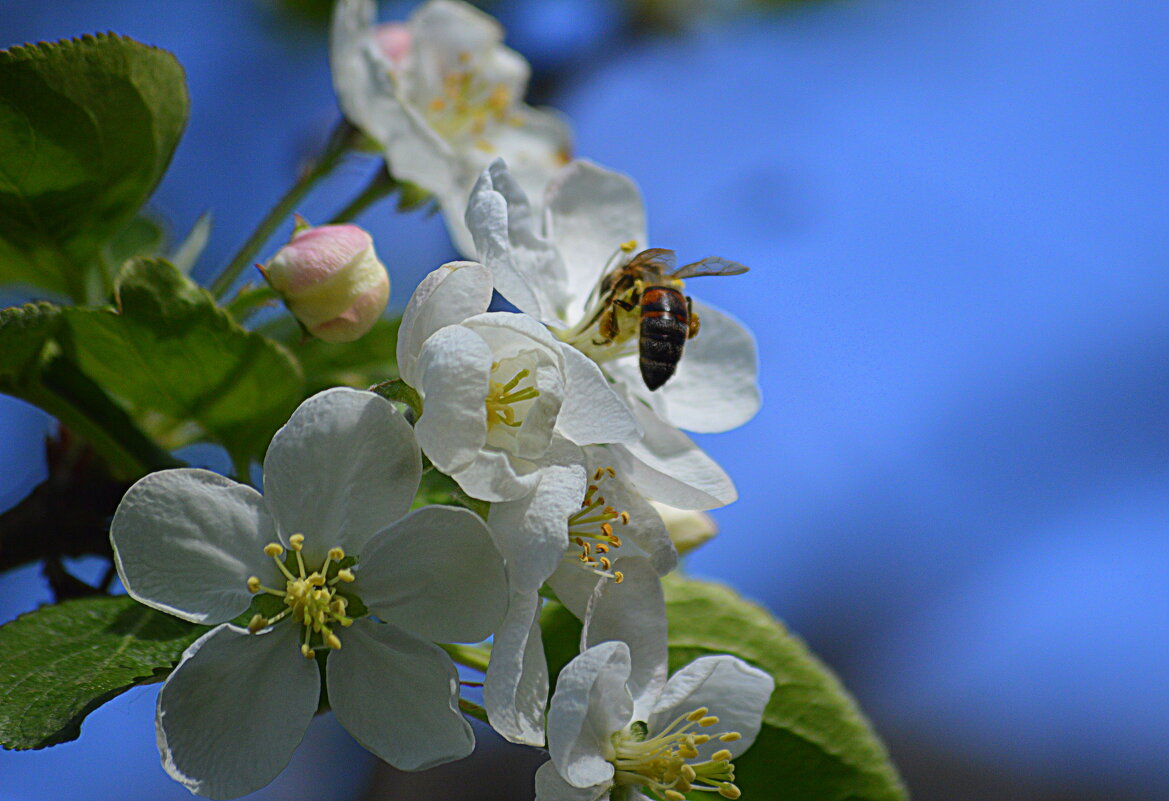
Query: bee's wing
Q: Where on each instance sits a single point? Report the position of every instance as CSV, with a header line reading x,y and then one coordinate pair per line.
x,y
711,265
654,260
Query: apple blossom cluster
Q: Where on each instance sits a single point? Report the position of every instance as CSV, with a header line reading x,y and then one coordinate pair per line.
x,y
327,588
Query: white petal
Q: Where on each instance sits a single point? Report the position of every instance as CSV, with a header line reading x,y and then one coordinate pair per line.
x,y
716,386
532,532
633,612
515,691
453,375
551,787
496,476
398,696
535,148
343,467
448,295
590,212
526,268
589,705
437,574
442,30
730,688
592,412
234,710
667,466
185,542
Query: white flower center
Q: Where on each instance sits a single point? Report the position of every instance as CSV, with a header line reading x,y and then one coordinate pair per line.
x,y
661,763
311,598
592,529
469,105
506,401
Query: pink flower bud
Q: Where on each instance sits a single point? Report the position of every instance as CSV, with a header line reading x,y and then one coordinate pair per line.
x,y
331,280
393,39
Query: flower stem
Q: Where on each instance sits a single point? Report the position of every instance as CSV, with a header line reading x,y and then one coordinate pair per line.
x,y
381,185
472,656
339,143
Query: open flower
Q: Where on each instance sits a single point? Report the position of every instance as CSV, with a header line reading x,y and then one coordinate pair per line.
x,y
497,387
314,561
616,723
443,96
555,269
580,525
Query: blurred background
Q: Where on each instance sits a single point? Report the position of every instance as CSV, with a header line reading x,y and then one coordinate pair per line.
x,y
957,220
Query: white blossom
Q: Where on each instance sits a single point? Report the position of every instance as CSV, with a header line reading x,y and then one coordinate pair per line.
x,y
498,389
552,268
330,542
443,96
615,722
582,523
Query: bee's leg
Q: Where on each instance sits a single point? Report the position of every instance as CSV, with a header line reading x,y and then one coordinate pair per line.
x,y
692,331
607,326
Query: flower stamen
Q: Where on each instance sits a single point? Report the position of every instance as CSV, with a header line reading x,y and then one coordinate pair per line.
x,y
310,597
660,763
502,398
591,528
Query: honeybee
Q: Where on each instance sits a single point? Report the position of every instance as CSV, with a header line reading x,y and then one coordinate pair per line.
x,y
650,285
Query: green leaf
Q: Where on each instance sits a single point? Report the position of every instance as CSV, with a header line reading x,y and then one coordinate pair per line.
x,y
87,128
24,330
359,364
174,357
399,391
61,662
815,744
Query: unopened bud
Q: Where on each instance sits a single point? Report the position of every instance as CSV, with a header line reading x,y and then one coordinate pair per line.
x,y
331,280
687,529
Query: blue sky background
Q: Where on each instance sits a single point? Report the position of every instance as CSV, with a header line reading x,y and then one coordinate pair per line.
x,y
958,226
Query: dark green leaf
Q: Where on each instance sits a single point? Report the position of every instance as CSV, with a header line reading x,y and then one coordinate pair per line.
x,y
815,744
87,128
359,364
174,357
141,237
61,662
401,392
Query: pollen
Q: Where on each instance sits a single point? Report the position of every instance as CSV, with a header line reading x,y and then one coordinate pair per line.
x,y
311,598
469,107
663,764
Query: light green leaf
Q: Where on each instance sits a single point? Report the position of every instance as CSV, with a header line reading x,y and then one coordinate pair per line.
x,y
815,744
176,359
87,128
360,364
61,662
24,330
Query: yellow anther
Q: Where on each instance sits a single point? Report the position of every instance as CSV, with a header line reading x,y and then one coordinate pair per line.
x,y
273,549
254,584
600,471
618,577
602,548
721,755
624,518
730,737
709,720
316,579
615,541
607,529
697,714
728,790
629,246
345,574
701,739
438,104
674,795
606,563
256,623
296,541
336,554
688,773
333,641
307,652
